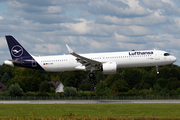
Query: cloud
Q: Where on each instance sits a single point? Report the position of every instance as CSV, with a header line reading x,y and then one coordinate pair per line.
x,y
123,8
42,14
90,28
91,25
3,43
1,17
153,19
4,51
167,7
156,4
47,48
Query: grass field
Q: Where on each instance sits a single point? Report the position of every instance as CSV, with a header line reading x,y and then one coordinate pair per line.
x,y
88,111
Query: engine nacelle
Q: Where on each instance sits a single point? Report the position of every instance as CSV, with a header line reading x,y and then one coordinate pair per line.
x,y
109,68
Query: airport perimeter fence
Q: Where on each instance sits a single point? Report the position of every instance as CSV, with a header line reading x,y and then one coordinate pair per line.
x,y
146,97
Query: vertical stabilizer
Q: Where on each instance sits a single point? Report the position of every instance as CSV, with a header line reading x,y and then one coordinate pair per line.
x,y
16,49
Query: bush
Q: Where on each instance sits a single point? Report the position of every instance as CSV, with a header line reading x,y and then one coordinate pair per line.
x,y
132,92
52,90
3,93
178,91
122,94
15,90
30,93
70,91
85,87
53,95
85,93
146,92
42,94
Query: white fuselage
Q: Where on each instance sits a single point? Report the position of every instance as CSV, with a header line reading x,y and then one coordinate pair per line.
x,y
123,59
105,62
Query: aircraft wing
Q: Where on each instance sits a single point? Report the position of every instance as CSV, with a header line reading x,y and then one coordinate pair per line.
x,y
83,60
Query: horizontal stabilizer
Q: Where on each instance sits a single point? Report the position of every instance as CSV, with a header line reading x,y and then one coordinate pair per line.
x,y
12,62
18,62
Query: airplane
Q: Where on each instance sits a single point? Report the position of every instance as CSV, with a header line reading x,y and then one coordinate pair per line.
x,y
108,62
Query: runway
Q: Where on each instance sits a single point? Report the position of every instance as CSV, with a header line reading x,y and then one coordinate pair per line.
x,y
86,101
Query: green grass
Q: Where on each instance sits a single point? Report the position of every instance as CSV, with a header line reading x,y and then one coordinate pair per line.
x,y
90,110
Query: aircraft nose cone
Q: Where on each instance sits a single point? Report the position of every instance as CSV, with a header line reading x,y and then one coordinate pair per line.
x,y
174,59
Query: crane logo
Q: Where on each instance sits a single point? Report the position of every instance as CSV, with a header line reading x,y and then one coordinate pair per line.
x,y
17,51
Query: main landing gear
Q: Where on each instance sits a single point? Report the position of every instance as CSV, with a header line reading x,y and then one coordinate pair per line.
x,y
91,75
92,80
157,70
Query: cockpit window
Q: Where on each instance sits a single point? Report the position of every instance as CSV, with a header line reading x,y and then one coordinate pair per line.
x,y
166,54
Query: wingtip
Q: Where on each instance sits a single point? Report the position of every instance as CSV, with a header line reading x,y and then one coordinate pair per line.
x,y
69,49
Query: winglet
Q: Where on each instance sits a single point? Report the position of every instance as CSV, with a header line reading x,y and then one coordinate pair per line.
x,y
69,49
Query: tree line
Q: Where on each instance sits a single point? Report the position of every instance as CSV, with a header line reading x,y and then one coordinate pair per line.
x,y
127,81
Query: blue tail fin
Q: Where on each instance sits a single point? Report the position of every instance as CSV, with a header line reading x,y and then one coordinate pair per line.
x,y
16,49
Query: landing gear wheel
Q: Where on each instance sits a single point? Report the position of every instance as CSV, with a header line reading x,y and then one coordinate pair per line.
x,y
91,75
157,70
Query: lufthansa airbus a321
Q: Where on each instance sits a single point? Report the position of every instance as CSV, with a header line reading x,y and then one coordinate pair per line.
x,y
108,63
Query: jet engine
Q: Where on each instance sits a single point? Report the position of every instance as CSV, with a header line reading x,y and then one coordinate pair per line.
x,y
109,68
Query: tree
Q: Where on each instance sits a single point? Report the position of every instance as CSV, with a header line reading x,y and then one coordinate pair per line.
x,y
44,86
6,69
156,88
112,78
162,82
15,90
174,72
102,89
74,79
100,76
120,85
55,78
164,72
28,83
133,76
41,75
149,80
5,78
173,84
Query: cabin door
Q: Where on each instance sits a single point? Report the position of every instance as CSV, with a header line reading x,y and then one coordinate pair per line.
x,y
71,60
157,56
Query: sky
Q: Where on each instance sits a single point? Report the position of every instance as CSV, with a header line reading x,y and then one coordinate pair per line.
x,y
90,26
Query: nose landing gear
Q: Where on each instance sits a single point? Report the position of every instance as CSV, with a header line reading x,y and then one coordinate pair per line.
x,y
157,70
